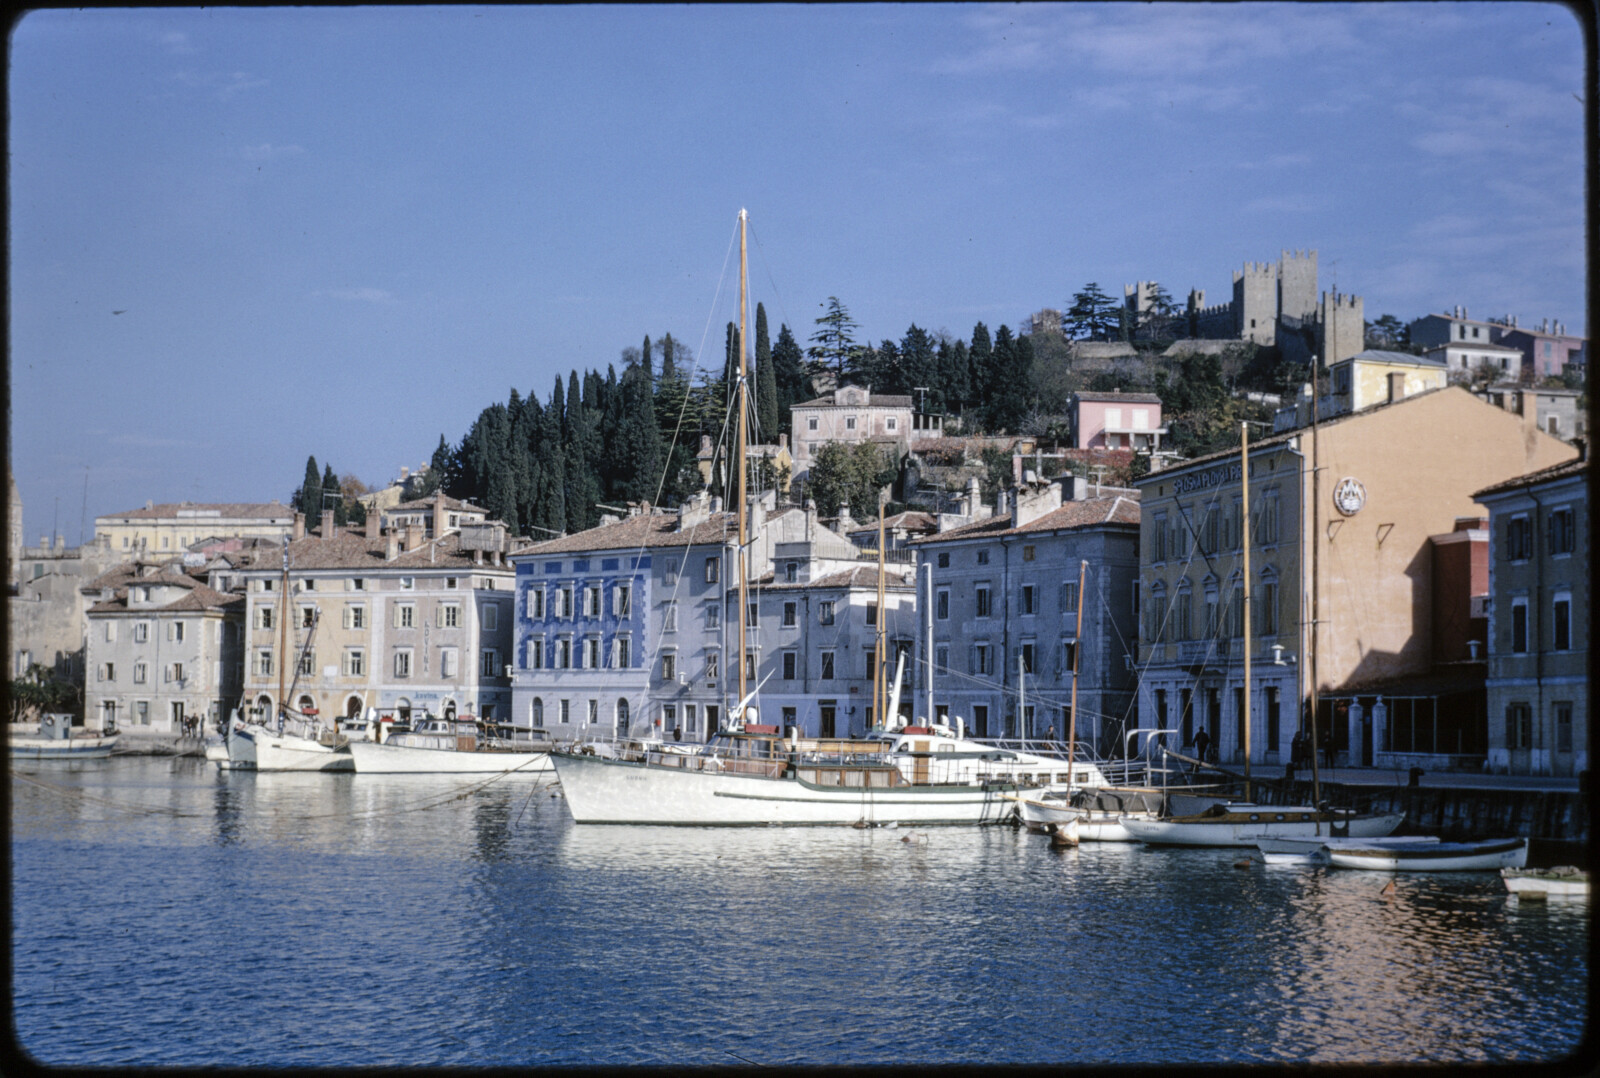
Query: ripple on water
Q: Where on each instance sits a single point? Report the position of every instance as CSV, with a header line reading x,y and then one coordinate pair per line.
x,y
223,918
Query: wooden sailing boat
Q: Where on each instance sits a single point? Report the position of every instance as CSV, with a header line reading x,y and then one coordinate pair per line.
x,y
295,741
750,774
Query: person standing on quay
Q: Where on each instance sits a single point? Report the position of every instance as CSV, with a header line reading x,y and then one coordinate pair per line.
x,y
1202,742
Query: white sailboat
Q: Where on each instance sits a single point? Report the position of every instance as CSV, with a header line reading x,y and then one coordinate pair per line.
x,y
297,741
748,774
453,746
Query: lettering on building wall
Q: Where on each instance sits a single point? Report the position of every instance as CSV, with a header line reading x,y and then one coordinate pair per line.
x,y
1216,476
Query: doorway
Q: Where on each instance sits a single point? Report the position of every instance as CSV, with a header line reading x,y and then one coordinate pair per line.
x,y
829,711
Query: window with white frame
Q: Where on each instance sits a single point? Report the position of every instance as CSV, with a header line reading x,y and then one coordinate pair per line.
x,y
1518,537
714,615
447,662
405,616
622,600
264,617
669,617
826,658
141,632
141,673
355,662
591,601
621,653
982,600
263,662
791,664
565,595
791,611
402,663
535,654
450,615
669,665
564,653
491,617
489,663
1561,536
825,612
594,712
941,604
591,653
355,616
535,602
713,570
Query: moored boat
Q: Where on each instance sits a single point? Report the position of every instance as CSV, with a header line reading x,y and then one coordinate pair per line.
x,y
1563,881
1241,823
1314,851
456,746
1482,856
748,775
55,739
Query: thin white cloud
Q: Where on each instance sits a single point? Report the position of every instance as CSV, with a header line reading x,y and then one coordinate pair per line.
x,y
145,441
359,295
268,152
223,85
176,43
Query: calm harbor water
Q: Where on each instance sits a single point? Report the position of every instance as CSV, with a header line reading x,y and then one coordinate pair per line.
x,y
165,913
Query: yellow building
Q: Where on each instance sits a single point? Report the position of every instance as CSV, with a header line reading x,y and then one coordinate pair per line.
x,y
169,528
1341,588
1364,380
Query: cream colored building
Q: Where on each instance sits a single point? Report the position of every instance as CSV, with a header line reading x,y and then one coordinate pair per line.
x,y
162,651
1364,380
399,622
854,414
169,528
1341,589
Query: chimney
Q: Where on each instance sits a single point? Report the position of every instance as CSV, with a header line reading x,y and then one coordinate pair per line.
x,y
413,536
438,516
1001,505
1397,386
971,500
391,549
327,523
374,522
783,441
845,523
405,473
299,531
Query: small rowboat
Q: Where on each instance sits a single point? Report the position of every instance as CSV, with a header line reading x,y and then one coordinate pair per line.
x,y
1314,851
1431,856
1564,880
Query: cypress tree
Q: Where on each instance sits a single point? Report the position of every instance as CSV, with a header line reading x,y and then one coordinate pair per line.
x,y
979,357
766,382
331,497
308,499
789,369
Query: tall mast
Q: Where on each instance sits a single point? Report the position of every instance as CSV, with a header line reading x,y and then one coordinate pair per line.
x,y
739,455
1244,544
881,673
283,636
1316,544
1077,647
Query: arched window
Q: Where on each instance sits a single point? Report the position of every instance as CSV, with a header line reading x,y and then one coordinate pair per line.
x,y
262,711
402,709
538,711
306,705
352,708
622,717
449,709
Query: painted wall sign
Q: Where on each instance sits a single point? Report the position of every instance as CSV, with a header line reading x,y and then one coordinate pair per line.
x,y
1215,476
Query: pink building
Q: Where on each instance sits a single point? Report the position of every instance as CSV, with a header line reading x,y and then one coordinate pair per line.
x,y
1117,421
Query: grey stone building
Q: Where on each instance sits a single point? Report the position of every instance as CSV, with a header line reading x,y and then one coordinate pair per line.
x,y
1538,679
1005,612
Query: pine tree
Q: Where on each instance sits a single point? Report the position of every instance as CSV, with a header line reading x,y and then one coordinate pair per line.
x,y
835,341
766,382
1092,315
580,436
918,363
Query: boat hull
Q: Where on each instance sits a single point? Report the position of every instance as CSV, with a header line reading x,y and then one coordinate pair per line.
x,y
601,790
1094,825
286,752
1548,883
1247,827
77,748
372,758
1432,856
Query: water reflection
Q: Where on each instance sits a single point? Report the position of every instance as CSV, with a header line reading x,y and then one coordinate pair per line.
x,y
535,941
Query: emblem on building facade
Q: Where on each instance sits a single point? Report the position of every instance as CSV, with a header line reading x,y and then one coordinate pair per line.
x,y
1349,496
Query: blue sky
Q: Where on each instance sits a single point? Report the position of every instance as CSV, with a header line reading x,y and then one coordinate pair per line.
x,y
344,232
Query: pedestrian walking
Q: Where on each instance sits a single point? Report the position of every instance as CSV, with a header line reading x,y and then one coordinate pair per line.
x,y
1202,743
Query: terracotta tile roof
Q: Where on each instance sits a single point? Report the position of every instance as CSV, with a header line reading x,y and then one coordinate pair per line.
x,y
911,519
861,576
639,532
444,500
197,597
246,510
1564,470
354,550
1120,509
876,400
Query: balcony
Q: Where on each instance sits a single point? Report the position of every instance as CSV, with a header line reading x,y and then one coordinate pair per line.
x,y
1203,653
